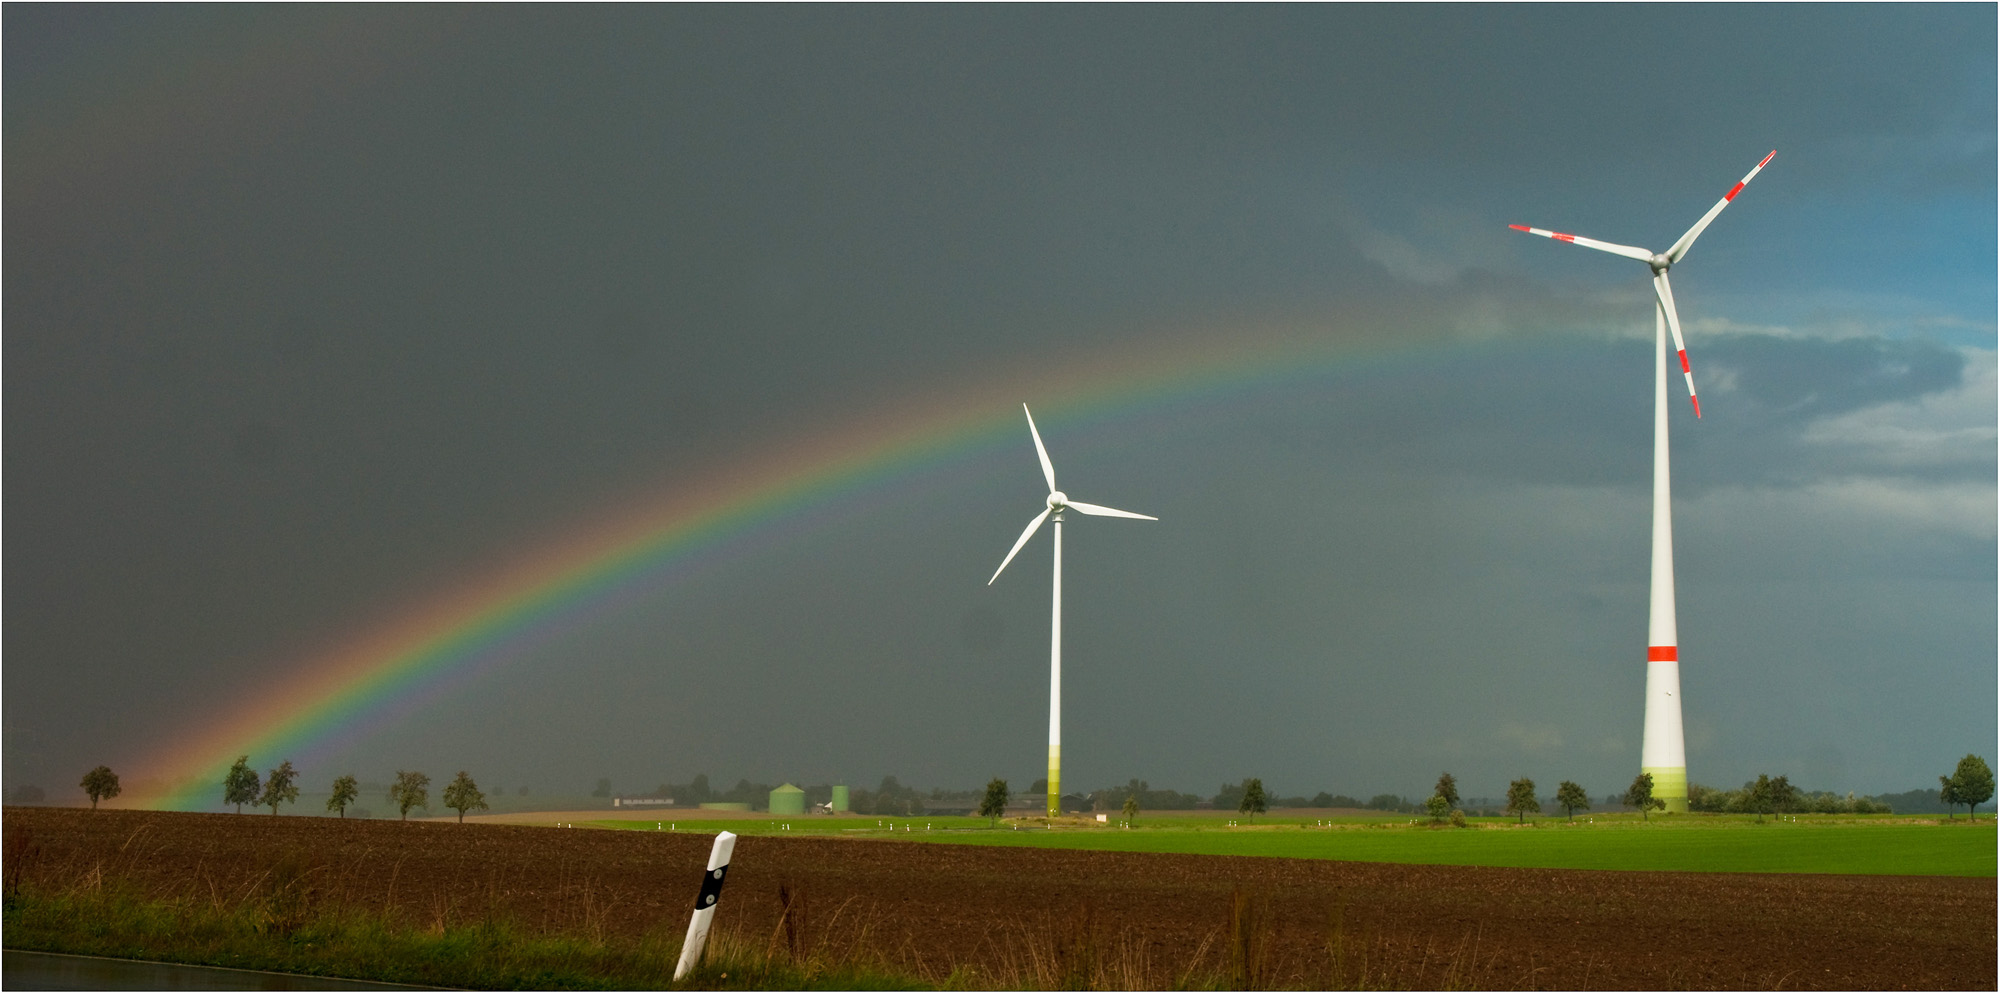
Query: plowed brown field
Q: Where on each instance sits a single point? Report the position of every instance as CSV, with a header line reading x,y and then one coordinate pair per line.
x,y
1132,918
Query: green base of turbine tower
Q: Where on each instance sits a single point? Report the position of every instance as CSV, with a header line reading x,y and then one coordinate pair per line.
x,y
1055,781
1670,784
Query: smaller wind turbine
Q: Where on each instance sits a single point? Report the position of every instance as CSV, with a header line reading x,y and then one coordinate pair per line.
x,y
1058,502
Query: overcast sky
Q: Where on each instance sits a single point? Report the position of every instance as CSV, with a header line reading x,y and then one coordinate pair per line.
x,y
313,314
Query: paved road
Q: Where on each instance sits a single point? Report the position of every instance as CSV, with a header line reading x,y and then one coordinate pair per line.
x,y
56,972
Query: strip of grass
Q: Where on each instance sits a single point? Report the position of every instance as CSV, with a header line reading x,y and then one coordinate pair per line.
x,y
800,825
485,955
1701,844
1725,847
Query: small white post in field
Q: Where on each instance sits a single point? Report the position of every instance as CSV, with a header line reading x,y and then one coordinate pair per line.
x,y
704,903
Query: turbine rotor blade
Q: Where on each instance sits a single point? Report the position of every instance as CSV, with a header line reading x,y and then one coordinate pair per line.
x,y
1665,292
1023,540
1686,241
1628,251
1048,468
1108,512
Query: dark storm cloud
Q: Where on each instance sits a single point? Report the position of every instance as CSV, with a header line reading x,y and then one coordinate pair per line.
x,y
313,313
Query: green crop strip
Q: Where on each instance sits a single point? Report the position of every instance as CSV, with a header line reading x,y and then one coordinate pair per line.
x,y
1690,844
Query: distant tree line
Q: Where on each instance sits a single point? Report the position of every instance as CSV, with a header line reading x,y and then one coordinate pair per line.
x,y
1769,795
1143,796
1775,796
1970,784
890,797
698,791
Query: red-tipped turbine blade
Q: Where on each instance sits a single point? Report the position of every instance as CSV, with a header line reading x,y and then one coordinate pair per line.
x,y
1628,251
1665,292
1687,241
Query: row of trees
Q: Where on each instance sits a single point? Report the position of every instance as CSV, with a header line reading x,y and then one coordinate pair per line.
x,y
1522,800
411,789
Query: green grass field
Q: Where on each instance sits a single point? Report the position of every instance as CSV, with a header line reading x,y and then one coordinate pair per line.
x,y
1697,843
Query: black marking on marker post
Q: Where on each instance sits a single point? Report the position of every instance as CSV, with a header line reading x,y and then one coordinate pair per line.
x,y
711,887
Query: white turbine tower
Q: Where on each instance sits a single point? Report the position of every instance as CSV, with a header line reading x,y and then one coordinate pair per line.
x,y
1663,751
1058,502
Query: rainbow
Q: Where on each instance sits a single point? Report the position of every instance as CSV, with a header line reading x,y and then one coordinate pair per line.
x,y
340,695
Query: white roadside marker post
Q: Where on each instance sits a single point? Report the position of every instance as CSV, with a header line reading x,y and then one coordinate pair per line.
x,y
704,903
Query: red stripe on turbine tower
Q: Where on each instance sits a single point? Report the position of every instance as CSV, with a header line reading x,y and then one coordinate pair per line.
x,y
1663,654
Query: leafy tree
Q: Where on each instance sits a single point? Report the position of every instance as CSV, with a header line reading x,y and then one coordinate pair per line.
x,y
1385,802
280,787
1447,788
345,791
1640,795
994,804
1760,795
1438,807
1948,793
1131,809
240,786
463,795
1975,783
1970,784
100,783
1572,798
1521,799
1784,796
411,790
603,788
1253,803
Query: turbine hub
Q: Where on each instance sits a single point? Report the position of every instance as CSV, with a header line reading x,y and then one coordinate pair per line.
x,y
1058,500
1659,263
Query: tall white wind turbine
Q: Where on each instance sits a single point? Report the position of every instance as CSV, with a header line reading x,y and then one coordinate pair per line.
x,y
1058,502
1663,751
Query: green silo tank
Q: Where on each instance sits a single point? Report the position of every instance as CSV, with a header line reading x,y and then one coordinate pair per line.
x,y
840,798
788,800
